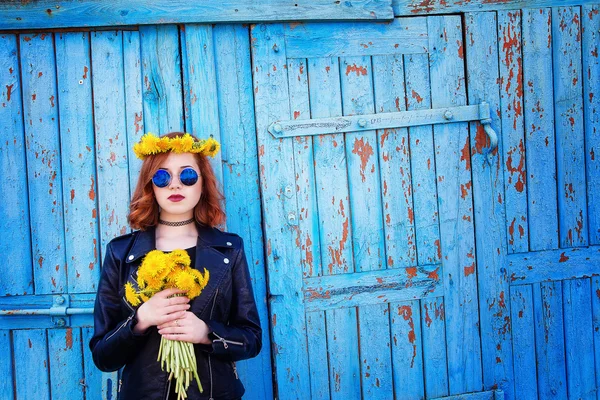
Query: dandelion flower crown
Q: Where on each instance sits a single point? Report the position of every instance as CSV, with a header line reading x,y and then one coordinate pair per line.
x,y
151,144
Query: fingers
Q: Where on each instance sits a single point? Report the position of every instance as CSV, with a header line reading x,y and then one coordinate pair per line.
x,y
169,292
176,308
177,300
166,319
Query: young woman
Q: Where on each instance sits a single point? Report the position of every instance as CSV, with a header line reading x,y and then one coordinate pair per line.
x,y
176,205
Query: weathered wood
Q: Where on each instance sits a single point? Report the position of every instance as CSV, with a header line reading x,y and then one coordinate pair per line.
x,y
6,365
78,160
488,199
280,226
64,348
31,370
487,395
422,7
240,183
51,14
512,127
335,236
372,287
161,74
97,383
590,18
40,113
595,287
110,129
399,36
13,186
457,250
521,308
426,220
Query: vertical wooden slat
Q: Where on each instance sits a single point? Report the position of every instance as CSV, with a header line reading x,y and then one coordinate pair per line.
x,y
570,153
281,230
308,223
161,74
110,128
335,235
590,18
431,310
78,160
201,87
43,162
512,124
488,202
98,384
31,364
521,300
133,101
398,210
13,186
455,207
595,287
367,227
240,182
6,366
66,375
541,193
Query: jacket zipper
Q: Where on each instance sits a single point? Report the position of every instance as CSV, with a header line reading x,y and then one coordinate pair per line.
x,y
235,370
209,363
224,341
124,323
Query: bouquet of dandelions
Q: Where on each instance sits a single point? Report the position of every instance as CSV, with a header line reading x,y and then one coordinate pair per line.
x,y
161,271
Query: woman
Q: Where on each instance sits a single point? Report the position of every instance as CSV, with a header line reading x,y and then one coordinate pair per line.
x,y
176,205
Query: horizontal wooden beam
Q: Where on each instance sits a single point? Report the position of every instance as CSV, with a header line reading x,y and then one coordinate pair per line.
x,y
487,395
424,7
46,14
372,287
554,265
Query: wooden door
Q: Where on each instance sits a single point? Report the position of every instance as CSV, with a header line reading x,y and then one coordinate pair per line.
x,y
370,235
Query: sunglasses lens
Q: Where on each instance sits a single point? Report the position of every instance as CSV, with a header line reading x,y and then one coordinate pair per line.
x,y
161,178
188,177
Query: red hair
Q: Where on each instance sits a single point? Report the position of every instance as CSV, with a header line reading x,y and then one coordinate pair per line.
x,y
143,209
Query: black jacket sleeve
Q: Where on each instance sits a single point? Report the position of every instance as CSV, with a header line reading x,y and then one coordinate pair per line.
x,y
241,337
114,343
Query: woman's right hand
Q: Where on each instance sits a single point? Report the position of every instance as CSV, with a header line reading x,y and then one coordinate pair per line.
x,y
161,309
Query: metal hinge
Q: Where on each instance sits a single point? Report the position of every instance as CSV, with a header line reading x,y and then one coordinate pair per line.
x,y
355,123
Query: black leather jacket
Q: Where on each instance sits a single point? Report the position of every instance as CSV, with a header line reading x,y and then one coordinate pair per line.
x,y
226,305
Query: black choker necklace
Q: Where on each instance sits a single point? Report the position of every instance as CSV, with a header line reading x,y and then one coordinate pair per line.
x,y
178,223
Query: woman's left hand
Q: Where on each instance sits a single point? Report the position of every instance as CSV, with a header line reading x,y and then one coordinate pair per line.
x,y
189,328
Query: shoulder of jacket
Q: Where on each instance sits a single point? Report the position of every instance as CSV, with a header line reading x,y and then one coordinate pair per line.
x,y
229,237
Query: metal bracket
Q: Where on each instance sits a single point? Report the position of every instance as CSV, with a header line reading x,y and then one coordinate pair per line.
x,y
356,123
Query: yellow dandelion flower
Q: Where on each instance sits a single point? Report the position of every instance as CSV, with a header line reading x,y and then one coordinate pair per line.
x,y
131,296
177,145
180,257
185,281
144,297
211,147
138,150
187,142
163,144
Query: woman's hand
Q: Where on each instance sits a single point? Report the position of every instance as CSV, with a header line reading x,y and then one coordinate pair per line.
x,y
161,309
188,328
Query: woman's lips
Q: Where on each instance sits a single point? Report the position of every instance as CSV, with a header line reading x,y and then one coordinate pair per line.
x,y
176,197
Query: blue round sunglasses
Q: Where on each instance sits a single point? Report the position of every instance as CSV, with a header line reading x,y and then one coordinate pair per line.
x,y
162,178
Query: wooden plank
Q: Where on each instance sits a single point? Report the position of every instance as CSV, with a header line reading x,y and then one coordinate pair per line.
x,y
66,374
161,74
335,237
486,395
6,365
570,154
280,224
420,7
31,370
98,384
399,36
134,118
430,311
372,287
40,112
521,308
47,14
488,203
512,128
367,225
595,287
201,87
240,183
110,128
590,17
13,186
455,208
78,159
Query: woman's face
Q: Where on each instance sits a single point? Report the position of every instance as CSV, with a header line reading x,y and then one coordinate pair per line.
x,y
176,200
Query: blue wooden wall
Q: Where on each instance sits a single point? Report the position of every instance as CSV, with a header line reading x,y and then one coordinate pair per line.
x,y
394,263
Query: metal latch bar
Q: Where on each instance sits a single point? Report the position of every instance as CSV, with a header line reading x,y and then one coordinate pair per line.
x,y
403,119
